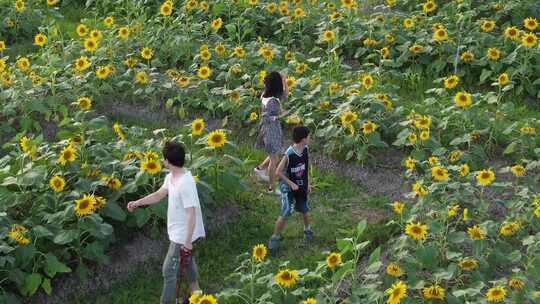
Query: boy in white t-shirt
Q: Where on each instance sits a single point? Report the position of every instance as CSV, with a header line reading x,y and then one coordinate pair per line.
x,y
184,220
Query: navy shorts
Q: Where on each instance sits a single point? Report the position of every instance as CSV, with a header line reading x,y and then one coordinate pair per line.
x,y
294,200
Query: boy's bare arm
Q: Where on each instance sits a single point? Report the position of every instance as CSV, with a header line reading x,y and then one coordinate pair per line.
x,y
148,200
191,220
279,172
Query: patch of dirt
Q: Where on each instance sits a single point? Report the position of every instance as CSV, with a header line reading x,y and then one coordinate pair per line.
x,y
144,114
372,215
386,182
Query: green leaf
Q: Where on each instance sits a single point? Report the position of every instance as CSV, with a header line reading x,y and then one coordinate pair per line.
x,y
31,284
375,256
485,75
361,227
54,266
141,217
46,285
66,236
510,148
114,211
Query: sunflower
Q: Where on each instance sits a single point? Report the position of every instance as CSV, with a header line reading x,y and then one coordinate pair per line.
x,y
23,64
130,62
452,211
96,35
509,229
301,68
451,81
398,207
503,79
493,54
40,39
537,212
434,292
348,118
220,49
328,35
424,135
397,292
439,173
333,260
309,301
530,23
463,99
85,205
516,284
410,163
394,270
299,13
476,233
259,252
511,32
417,231
367,81
142,77
267,53
147,53
90,45
217,139
151,166
518,170
287,278
529,40
496,294
467,56
82,63
408,23
82,30
197,126
112,182
17,234
76,140
2,45
68,154
369,127
57,183
19,6
271,8
204,72
166,9
416,48
527,130
2,65
84,103
100,201
468,264
102,72
412,138
487,25
348,3
207,299
205,55
123,32
429,6
485,177
385,52
191,4
440,35
204,5
216,24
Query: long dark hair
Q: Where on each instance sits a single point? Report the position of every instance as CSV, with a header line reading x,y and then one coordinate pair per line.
x,y
273,85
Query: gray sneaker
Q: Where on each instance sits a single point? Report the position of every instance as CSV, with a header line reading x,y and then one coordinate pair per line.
x,y
308,235
274,243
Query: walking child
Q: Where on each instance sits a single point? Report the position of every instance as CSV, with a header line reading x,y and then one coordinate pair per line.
x,y
184,221
293,172
270,137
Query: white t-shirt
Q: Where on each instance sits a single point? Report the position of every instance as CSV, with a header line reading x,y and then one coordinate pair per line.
x,y
182,194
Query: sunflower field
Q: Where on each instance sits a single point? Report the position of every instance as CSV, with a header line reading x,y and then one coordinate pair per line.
x,y
451,86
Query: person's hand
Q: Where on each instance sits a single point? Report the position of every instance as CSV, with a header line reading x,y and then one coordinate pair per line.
x,y
132,206
294,187
188,246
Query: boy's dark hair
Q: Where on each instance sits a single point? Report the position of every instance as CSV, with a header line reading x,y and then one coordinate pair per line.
x,y
273,85
299,133
174,153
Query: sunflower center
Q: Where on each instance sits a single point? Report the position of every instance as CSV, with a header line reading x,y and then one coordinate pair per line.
x,y
84,204
416,230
